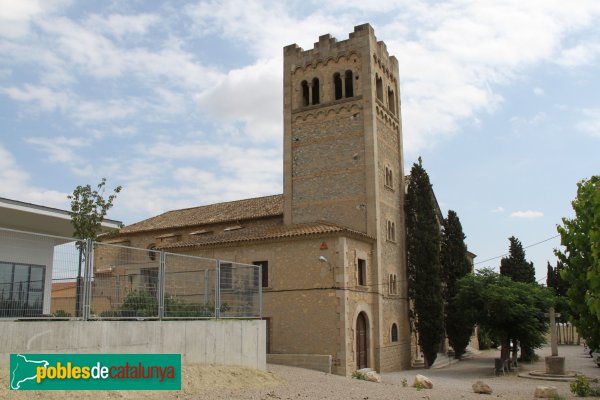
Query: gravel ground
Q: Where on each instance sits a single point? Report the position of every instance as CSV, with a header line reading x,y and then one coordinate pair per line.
x,y
450,382
279,382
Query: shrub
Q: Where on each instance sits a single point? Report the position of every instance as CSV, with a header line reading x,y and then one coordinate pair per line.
x,y
581,386
358,375
62,314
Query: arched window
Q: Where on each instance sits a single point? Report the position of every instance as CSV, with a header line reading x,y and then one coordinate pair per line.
x,y
305,98
349,85
394,332
379,86
391,101
315,91
337,83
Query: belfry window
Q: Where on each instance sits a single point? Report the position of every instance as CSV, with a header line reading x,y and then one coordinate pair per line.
x,y
337,83
305,96
315,91
349,85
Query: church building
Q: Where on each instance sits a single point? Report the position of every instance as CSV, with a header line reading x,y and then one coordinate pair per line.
x,y
332,246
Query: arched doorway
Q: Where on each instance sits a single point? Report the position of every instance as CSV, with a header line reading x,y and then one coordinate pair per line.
x,y
361,341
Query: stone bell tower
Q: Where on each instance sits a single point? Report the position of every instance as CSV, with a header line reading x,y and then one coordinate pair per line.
x,y
343,159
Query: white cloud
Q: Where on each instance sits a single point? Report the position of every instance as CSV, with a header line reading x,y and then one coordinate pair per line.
x,y
527,214
498,209
252,95
48,99
538,91
264,27
15,184
590,122
460,53
120,25
578,55
65,151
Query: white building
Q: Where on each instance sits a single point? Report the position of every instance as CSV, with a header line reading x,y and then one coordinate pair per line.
x,y
27,259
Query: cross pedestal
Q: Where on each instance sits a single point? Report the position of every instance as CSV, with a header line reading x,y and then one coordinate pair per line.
x,y
555,365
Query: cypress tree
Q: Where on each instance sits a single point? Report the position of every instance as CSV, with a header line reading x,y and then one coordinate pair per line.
x,y
423,262
515,266
455,265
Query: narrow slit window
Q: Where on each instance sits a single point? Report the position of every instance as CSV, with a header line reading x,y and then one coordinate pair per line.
x,y
391,101
379,85
394,332
361,267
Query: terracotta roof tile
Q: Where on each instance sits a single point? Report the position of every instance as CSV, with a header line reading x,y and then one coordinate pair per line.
x,y
259,207
264,232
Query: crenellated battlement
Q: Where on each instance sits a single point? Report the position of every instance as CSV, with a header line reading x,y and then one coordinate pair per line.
x,y
330,47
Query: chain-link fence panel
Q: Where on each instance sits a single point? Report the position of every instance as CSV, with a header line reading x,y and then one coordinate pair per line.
x,y
124,282
239,290
190,287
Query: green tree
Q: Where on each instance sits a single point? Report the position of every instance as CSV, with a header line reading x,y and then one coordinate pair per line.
x,y
455,265
88,209
423,261
515,266
519,270
558,284
580,237
505,308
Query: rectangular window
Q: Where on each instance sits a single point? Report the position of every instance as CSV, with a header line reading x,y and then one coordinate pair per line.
x,y
361,266
226,281
21,289
264,267
149,280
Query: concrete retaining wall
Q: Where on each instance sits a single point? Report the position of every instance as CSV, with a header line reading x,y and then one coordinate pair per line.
x,y
225,342
317,362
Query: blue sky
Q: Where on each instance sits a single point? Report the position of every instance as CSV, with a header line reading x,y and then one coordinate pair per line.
x,y
181,103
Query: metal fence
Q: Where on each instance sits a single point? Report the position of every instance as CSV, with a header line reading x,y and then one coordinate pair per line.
x,y
43,276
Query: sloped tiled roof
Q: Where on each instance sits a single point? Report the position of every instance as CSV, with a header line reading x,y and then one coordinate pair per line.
x,y
259,207
264,232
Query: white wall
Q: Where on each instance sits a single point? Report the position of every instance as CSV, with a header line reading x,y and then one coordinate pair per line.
x,y
30,249
224,342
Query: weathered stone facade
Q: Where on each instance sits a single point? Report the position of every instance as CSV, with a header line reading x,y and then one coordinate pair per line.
x,y
343,200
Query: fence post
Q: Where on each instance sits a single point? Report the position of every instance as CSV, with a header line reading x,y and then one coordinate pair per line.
x,y
161,285
218,291
259,291
87,278
206,286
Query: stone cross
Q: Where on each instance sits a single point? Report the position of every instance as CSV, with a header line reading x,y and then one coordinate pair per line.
x,y
553,336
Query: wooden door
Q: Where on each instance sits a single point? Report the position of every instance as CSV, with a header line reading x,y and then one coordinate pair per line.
x,y
361,341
